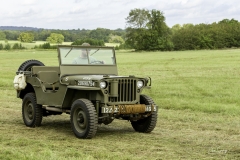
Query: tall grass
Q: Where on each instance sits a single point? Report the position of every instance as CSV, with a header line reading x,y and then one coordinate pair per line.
x,y
198,97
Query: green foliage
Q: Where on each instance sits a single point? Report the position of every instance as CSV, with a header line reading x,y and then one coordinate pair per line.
x,y
69,35
100,34
45,46
41,35
147,30
225,34
26,37
228,21
176,28
12,35
138,18
55,38
7,46
2,35
93,42
17,46
115,39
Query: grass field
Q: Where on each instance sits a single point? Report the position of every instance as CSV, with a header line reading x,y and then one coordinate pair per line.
x,y
199,111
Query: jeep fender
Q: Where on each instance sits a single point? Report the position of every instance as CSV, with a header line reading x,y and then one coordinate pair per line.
x,y
77,92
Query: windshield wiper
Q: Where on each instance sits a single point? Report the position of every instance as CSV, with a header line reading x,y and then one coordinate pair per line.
x,y
68,52
95,52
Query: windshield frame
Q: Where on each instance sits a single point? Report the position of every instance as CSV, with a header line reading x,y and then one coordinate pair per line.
x,y
76,47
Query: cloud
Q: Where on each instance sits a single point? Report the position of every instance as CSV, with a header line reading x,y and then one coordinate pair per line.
x,y
111,13
21,14
77,1
77,10
28,2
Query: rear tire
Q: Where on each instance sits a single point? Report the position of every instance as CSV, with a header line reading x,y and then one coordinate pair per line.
x,y
31,112
146,125
27,65
83,119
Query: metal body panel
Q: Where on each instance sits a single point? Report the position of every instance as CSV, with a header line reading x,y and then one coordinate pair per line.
x,y
84,88
88,70
48,97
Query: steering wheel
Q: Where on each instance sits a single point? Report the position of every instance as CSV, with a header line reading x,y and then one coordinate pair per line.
x,y
97,62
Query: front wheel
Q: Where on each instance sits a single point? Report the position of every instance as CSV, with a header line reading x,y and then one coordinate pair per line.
x,y
83,119
31,112
145,125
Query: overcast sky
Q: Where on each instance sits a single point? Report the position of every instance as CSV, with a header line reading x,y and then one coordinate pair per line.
x,y
111,14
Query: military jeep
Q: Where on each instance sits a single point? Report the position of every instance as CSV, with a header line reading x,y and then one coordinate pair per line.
x,y
92,92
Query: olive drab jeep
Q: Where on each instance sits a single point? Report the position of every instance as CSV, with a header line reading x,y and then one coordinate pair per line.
x,y
87,86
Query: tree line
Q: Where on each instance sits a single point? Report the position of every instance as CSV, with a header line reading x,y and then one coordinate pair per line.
x,y
224,34
146,30
106,35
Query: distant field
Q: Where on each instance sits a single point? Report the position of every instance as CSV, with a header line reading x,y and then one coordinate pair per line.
x,y
29,45
32,45
199,111
112,44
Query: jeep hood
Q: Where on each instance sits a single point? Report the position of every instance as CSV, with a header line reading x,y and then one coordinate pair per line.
x,y
70,78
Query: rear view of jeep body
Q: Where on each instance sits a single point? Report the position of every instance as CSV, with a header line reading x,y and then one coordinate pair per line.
x,y
87,86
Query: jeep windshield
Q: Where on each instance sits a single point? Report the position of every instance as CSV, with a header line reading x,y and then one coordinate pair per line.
x,y
82,55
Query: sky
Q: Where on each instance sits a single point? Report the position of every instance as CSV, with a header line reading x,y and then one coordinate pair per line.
x,y
111,14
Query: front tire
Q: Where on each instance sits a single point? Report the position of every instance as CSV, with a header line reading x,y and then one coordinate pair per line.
x,y
83,119
145,125
31,111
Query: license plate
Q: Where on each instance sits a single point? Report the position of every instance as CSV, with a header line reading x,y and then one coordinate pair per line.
x,y
115,109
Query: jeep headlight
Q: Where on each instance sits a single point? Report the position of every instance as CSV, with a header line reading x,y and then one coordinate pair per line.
x,y
139,84
103,84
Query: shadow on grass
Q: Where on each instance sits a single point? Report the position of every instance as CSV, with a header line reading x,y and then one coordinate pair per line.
x,y
64,126
114,129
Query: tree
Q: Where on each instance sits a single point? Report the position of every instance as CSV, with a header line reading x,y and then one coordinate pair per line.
x,y
7,46
12,35
227,21
147,30
138,18
100,34
224,34
26,37
93,42
175,28
115,39
2,36
55,38
17,46
41,35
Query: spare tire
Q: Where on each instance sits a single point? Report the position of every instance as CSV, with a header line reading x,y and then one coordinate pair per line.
x,y
27,65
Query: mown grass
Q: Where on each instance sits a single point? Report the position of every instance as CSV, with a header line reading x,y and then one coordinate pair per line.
x,y
197,93
198,80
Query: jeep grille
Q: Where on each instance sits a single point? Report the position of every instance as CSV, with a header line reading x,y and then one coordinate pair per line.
x,y
127,89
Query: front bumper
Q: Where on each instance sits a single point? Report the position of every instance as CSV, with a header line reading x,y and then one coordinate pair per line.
x,y
129,109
